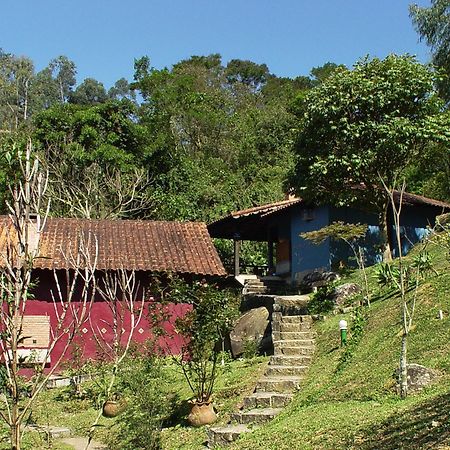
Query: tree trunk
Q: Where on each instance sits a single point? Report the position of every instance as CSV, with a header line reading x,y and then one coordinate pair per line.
x,y
15,437
403,374
384,233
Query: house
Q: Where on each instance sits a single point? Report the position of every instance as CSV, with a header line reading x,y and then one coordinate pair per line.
x,y
280,224
145,247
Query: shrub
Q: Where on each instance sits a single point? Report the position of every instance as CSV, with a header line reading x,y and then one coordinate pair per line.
x,y
322,300
142,382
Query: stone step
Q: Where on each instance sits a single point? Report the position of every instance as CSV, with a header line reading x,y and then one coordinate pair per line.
x,y
273,371
256,416
254,282
294,327
280,384
222,436
267,400
300,360
295,335
294,351
297,319
294,343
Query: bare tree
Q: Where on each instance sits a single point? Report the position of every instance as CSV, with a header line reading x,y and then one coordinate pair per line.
x,y
99,193
23,229
403,279
125,298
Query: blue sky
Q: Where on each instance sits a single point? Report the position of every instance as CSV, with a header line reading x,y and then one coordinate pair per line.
x,y
291,36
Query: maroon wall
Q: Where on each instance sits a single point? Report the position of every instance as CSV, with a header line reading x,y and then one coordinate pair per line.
x,y
156,317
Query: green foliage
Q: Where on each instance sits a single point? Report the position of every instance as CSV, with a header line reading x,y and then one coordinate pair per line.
x,y
148,405
211,319
387,274
89,92
363,124
322,301
432,25
337,231
418,267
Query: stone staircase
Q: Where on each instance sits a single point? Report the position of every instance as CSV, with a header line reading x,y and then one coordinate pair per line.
x,y
293,341
264,285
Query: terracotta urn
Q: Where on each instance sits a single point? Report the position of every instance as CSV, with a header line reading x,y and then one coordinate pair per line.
x,y
202,413
112,408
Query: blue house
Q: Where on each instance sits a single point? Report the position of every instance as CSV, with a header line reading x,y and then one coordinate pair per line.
x,y
281,224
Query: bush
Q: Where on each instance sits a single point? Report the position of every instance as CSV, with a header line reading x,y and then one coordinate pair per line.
x,y
322,300
142,382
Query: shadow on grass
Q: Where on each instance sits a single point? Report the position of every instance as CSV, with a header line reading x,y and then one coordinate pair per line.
x,y
425,426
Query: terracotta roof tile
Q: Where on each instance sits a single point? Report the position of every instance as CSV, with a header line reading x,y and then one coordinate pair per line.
x,y
132,244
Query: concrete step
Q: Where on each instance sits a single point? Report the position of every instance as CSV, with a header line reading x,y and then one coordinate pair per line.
x,y
222,436
297,319
294,335
267,400
294,327
280,384
283,343
293,351
300,360
273,371
256,416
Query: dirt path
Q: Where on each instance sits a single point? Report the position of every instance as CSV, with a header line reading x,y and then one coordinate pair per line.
x,y
79,443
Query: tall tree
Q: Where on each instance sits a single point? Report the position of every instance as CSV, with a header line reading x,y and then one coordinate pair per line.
x,y
16,75
63,71
216,144
364,124
89,92
95,158
433,25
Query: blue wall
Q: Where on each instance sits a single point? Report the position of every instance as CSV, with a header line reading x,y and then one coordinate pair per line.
x,y
305,255
413,221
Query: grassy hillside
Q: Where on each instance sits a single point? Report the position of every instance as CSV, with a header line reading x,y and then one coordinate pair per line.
x,y
357,407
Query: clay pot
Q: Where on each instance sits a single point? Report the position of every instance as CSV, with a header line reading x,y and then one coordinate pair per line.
x,y
202,413
112,408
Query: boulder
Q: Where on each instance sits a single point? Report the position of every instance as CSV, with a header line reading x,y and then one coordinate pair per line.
x,y
318,278
418,377
252,326
344,291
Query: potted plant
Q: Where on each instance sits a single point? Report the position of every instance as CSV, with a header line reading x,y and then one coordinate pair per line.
x,y
211,319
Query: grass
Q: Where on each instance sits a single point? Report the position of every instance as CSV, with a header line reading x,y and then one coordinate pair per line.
x,y
353,408
57,407
358,407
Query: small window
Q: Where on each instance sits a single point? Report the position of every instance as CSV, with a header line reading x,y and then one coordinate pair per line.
x,y
308,214
36,331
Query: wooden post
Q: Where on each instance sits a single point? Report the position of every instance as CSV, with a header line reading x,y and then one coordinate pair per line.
x,y
270,256
237,248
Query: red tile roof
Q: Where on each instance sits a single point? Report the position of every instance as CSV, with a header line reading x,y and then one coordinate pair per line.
x,y
267,209
131,244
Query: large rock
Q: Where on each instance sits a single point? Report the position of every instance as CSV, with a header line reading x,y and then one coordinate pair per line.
x,y
318,278
418,377
341,293
251,327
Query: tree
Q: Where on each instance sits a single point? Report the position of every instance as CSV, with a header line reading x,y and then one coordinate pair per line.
x,y
22,228
247,72
122,90
89,92
95,156
216,145
364,124
432,24
321,73
63,71
16,75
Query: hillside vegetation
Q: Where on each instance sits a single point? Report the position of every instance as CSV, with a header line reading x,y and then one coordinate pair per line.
x,y
355,405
